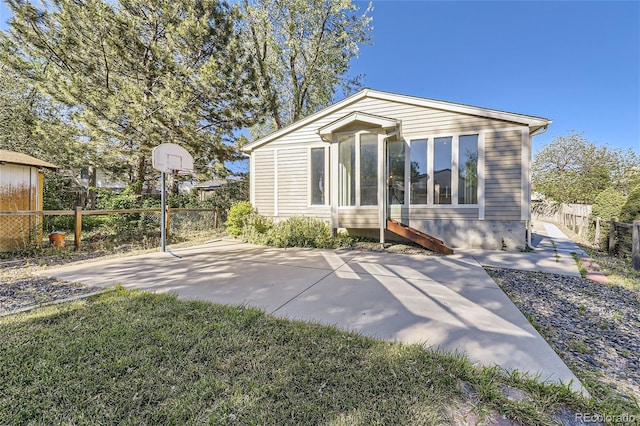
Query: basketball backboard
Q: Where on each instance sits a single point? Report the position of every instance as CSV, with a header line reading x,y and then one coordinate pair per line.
x,y
172,158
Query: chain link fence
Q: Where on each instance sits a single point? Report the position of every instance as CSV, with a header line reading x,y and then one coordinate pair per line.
x,y
21,230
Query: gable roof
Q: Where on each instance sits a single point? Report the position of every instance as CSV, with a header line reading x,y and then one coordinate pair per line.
x,y
534,123
12,157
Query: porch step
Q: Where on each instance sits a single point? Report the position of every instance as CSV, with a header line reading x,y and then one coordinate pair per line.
x,y
425,240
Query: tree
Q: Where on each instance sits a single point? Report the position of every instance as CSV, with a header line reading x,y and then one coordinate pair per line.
x,y
301,51
574,170
138,73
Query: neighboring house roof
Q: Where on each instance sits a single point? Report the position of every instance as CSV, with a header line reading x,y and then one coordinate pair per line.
x,y
535,123
12,157
212,184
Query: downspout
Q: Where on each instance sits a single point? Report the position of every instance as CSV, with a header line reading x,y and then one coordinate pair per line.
x,y
538,131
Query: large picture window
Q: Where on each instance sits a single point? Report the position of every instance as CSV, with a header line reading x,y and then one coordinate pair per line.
x,y
468,169
442,170
347,170
451,177
418,174
318,179
396,172
368,170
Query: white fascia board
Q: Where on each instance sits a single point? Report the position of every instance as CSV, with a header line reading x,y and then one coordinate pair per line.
x,y
376,120
461,108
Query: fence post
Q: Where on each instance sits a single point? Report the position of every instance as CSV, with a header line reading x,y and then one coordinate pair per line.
x,y
597,237
215,218
612,236
635,245
77,222
168,224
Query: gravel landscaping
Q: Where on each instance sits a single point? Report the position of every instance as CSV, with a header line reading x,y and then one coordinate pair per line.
x,y
595,328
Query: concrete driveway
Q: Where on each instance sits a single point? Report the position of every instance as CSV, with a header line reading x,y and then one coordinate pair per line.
x,y
444,302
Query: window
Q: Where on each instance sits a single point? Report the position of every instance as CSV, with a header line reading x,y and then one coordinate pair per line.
x,y
368,170
318,180
468,169
442,170
418,172
347,170
396,172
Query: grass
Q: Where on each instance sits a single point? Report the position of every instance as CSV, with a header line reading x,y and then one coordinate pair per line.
x,y
137,358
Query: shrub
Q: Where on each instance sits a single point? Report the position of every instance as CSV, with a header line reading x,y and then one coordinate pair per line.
x,y
238,216
296,231
630,211
608,204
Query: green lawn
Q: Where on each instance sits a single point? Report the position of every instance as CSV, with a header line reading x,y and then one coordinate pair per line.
x,y
137,358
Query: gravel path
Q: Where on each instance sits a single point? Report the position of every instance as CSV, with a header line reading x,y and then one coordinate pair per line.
x,y
595,328
19,289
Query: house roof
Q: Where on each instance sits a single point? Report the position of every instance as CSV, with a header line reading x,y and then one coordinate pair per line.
x,y
12,157
534,123
357,116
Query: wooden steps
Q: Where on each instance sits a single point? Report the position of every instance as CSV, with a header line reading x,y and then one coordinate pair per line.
x,y
425,240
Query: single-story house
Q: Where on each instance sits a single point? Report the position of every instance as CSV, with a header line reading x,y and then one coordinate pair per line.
x,y
456,172
21,188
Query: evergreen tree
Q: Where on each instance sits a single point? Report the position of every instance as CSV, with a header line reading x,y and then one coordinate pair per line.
x,y
139,73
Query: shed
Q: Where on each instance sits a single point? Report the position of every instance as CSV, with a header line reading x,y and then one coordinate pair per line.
x,y
21,188
378,163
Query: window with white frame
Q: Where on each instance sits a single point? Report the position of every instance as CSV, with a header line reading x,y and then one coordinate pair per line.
x,y
358,169
318,178
450,177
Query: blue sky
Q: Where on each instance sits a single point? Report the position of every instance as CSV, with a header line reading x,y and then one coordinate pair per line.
x,y
575,62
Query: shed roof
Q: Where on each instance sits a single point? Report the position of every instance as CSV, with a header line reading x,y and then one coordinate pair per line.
x,y
12,157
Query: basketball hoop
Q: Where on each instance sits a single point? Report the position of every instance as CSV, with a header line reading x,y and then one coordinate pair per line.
x,y
173,159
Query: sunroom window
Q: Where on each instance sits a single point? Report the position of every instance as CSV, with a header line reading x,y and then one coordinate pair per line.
x,y
358,169
451,177
318,180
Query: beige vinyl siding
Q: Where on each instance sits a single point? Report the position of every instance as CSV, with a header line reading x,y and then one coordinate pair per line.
x,y
264,181
503,185
358,218
293,177
416,120
429,213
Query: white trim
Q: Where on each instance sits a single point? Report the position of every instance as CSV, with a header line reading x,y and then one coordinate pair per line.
x,y
384,122
333,193
382,208
525,182
275,183
527,120
481,174
252,179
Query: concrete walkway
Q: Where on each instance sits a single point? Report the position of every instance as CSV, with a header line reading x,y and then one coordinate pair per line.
x,y
443,302
552,253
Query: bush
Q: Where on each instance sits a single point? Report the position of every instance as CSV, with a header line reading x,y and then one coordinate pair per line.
x,y
296,231
608,204
630,211
237,217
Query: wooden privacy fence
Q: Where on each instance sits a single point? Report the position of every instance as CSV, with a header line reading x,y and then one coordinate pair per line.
x,y
78,213
612,241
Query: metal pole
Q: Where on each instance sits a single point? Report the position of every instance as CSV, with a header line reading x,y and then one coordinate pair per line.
x,y
163,230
